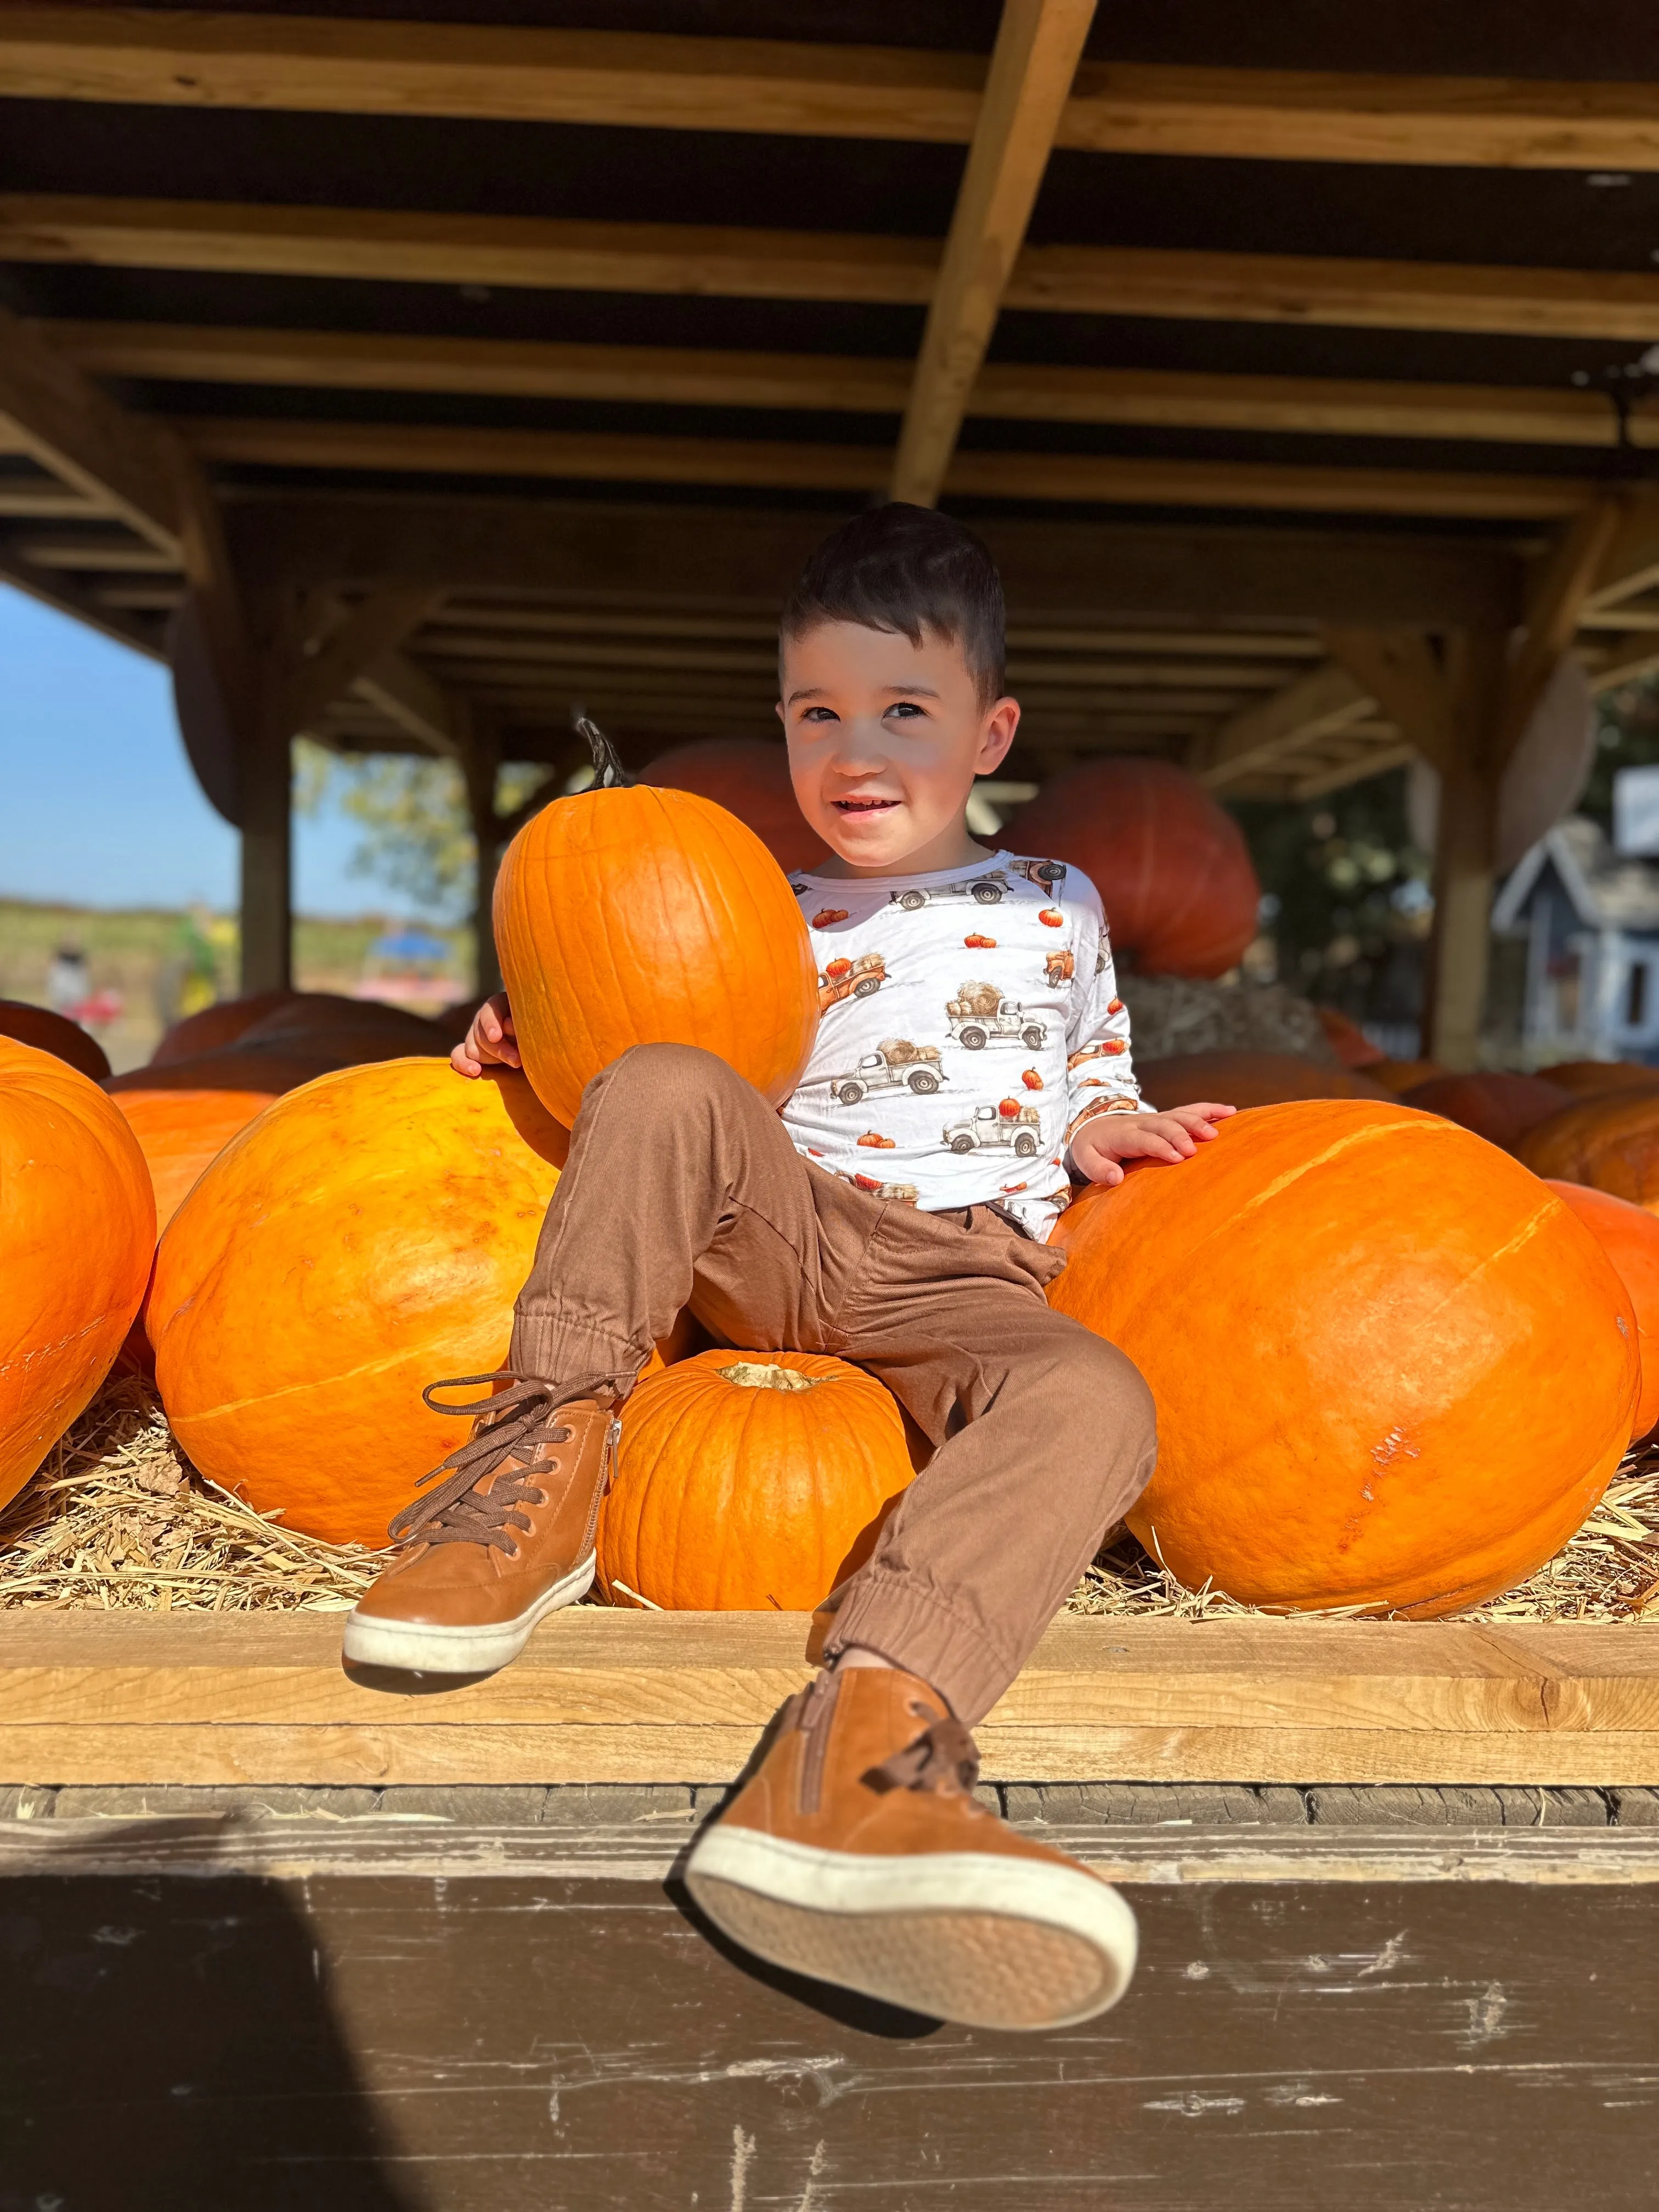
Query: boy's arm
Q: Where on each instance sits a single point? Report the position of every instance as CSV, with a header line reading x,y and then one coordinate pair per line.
x,y
490,1042
1107,1120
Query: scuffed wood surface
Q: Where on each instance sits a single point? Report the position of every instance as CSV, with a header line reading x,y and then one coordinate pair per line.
x,y
629,1697
509,2045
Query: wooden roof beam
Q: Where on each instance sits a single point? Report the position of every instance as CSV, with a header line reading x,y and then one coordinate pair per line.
x,y
376,244
352,360
123,464
1325,700
1038,45
1108,479
323,64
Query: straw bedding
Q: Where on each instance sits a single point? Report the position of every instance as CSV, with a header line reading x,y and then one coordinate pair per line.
x,y
117,1520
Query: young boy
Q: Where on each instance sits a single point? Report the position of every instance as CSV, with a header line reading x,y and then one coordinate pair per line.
x,y
972,1061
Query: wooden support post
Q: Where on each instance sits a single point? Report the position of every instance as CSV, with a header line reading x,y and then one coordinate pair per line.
x,y
481,759
1460,947
267,859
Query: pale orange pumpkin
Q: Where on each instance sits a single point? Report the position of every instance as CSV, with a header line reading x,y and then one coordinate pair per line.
x,y
54,1033
78,1226
365,1235
1629,1234
750,1481
178,1132
1391,1369
748,778
625,915
1593,1079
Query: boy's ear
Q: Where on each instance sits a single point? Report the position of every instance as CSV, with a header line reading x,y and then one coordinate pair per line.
x,y
997,735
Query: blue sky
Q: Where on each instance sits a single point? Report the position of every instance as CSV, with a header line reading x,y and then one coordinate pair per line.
x,y
101,807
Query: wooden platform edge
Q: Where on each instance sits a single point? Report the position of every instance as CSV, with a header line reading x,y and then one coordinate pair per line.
x,y
306,1850
626,1698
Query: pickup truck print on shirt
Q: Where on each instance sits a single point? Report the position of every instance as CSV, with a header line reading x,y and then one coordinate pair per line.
x,y
928,1002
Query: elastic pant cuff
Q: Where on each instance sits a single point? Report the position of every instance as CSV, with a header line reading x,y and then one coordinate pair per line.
x,y
546,1345
888,1614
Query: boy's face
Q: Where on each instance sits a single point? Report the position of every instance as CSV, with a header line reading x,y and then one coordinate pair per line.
x,y
885,738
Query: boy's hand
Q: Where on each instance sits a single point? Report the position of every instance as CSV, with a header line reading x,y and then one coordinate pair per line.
x,y
1102,1144
490,1042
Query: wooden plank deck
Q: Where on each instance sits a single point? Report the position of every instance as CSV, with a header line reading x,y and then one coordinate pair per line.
x,y
603,1696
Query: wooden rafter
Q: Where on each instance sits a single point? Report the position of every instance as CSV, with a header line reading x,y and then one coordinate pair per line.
x,y
1032,64
118,461
320,64
1563,579
353,361
1110,479
1326,700
312,681
393,246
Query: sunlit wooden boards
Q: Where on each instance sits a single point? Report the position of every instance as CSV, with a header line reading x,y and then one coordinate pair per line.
x,y
618,1696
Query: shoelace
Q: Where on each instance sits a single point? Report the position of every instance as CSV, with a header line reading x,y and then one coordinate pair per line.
x,y
943,1757
455,1512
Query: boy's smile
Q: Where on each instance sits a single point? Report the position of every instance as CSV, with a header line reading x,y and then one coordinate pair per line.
x,y
885,738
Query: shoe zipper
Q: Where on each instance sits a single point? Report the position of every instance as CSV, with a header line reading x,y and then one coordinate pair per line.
x,y
816,1722
607,1478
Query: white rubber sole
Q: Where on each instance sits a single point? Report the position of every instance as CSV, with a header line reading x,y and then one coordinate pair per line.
x,y
961,1936
429,1647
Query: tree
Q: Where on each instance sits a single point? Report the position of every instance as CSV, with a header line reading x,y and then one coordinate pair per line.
x,y
416,838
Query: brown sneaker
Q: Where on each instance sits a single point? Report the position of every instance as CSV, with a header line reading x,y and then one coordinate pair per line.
x,y
858,1854
506,1539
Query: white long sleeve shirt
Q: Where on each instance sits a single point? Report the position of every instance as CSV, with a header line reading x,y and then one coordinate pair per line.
x,y
969,1022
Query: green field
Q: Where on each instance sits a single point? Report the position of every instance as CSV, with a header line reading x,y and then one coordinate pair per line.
x,y
143,957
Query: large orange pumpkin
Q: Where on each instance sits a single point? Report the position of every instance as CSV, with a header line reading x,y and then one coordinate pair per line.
x,y
1171,868
77,1225
1593,1079
750,779
1391,1370
1249,1078
215,1026
365,1236
1499,1108
1629,1234
1610,1142
750,1481
54,1033
625,915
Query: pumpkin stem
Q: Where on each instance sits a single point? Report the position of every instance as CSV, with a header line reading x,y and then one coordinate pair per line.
x,y
609,774
762,1375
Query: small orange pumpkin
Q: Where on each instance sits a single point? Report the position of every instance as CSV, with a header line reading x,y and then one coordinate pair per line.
x,y
178,1132
1629,1234
1406,1375
53,1033
750,1481
365,1235
625,915
76,1231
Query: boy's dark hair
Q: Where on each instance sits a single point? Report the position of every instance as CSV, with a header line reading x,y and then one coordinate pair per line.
x,y
908,569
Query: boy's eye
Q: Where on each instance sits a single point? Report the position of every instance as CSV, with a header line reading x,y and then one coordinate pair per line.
x,y
819,714
907,707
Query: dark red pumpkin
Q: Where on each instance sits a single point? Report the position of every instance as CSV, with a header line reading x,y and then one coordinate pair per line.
x,y
1498,1107
1172,869
54,1033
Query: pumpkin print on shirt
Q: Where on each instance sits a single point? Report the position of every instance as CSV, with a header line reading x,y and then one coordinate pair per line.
x,y
968,1022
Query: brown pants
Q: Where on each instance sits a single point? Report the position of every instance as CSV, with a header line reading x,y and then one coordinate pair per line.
x,y
683,1189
